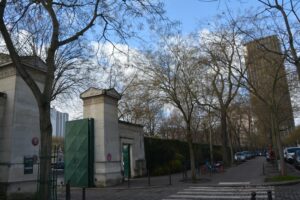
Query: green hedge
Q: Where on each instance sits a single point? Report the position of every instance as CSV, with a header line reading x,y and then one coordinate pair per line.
x,y
165,155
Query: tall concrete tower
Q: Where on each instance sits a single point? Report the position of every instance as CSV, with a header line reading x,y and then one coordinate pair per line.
x,y
266,72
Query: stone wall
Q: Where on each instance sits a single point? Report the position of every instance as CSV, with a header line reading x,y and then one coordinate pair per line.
x,y
133,135
19,125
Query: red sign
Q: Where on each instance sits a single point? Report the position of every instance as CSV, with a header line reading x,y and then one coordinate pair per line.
x,y
35,141
108,157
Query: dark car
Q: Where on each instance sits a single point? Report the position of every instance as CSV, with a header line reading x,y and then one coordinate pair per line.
x,y
297,159
58,165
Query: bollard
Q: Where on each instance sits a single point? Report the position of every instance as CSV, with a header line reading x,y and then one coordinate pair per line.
x,y
269,195
149,178
68,191
253,195
184,172
170,177
83,193
128,182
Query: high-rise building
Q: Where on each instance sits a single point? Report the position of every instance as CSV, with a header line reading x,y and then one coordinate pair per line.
x,y
58,121
266,72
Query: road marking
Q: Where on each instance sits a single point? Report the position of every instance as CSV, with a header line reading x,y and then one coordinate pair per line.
x,y
230,189
226,192
234,183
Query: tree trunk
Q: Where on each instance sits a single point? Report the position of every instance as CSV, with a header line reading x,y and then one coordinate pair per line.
x,y
211,146
279,152
224,137
283,171
45,152
298,69
230,143
191,151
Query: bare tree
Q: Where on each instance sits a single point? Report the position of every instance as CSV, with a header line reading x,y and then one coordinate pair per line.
x,y
274,17
141,106
267,83
172,127
222,50
172,71
279,20
52,25
286,18
241,123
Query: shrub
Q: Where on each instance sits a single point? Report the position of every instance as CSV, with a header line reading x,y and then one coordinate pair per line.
x,y
161,155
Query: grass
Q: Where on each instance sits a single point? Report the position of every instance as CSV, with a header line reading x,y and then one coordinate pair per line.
x,y
282,178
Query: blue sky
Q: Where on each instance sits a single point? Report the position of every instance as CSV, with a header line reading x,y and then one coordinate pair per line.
x,y
195,14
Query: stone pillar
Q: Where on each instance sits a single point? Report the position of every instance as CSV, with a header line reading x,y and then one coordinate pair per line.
x,y
19,125
102,106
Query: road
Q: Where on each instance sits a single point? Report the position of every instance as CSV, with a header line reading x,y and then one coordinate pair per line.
x,y
250,172
238,182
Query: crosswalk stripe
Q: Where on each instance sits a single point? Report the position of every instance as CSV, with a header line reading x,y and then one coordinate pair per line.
x,y
210,192
223,192
215,197
229,189
234,183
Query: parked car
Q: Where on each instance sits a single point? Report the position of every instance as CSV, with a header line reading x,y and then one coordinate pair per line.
x,y
247,154
297,159
239,156
58,165
289,153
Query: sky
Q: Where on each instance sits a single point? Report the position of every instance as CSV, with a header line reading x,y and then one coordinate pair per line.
x,y
195,14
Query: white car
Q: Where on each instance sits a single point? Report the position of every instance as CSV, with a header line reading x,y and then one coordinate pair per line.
x,y
289,153
239,156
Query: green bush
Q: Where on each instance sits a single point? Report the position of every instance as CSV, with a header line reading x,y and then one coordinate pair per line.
x,y
164,155
176,166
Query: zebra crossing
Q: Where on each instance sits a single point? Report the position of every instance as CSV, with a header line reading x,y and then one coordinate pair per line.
x,y
223,192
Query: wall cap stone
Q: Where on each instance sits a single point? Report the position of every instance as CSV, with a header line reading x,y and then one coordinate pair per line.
x,y
94,92
33,62
130,124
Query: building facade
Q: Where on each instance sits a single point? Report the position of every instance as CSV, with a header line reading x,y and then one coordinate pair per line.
x,y
19,128
112,139
58,121
268,79
20,133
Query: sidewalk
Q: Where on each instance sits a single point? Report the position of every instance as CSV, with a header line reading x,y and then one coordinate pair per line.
x,y
177,179
235,173
250,171
271,169
247,174
137,189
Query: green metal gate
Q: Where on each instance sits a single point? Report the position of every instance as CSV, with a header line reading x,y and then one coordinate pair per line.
x,y
126,160
79,153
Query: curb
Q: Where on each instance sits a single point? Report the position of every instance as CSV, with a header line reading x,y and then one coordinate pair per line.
x,y
282,183
124,188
